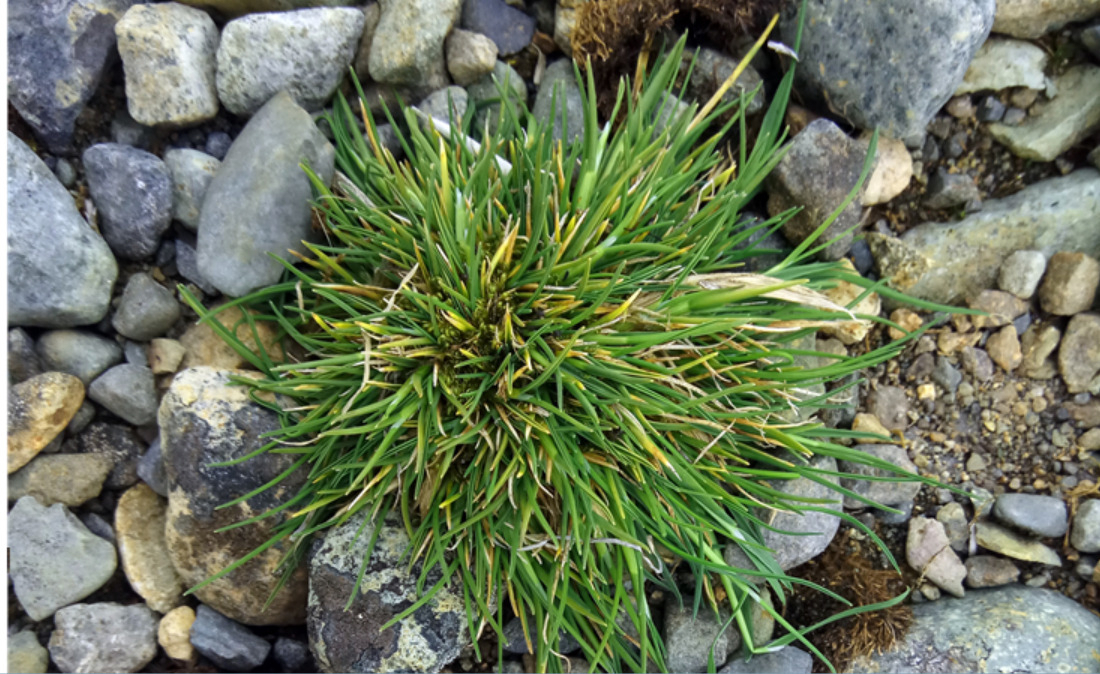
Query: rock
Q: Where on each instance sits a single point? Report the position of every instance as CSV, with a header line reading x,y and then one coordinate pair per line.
x,y
23,360
165,356
559,86
304,53
955,525
139,525
151,469
1004,348
187,263
226,643
878,68
53,559
883,493
26,655
1086,415
787,660
712,69
1089,440
991,110
118,443
1005,542
1043,516
669,112
408,42
191,173
1029,19
1079,357
509,28
989,571
820,168
689,638
174,634
897,261
516,640
961,107
1021,272
977,362
133,192
1011,628
56,54
791,549
950,190
1002,64
446,104
1085,536
1070,283
1002,308
470,56
891,173
84,355
147,309
70,479
59,281
205,348
169,43
235,8
127,391
1053,127
38,410
105,637
361,63
204,420
487,89
350,640
929,553
843,294
946,375
217,144
890,405
291,655
1052,215
1037,345
260,181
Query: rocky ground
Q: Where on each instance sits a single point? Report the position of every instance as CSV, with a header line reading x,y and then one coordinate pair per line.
x,y
178,163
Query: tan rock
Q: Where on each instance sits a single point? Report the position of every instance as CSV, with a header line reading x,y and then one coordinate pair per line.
x,y
470,56
1037,346
892,171
896,260
1001,308
1006,542
1070,283
844,293
205,348
1079,357
929,552
908,319
165,355
1033,18
39,409
869,423
139,527
71,479
1004,348
174,634
949,343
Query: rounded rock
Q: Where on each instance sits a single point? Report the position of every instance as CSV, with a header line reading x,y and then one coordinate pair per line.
x,y
470,56
1035,514
82,354
127,391
69,479
1079,355
26,655
104,637
174,634
191,172
38,410
1021,272
1086,527
139,525
133,192
147,309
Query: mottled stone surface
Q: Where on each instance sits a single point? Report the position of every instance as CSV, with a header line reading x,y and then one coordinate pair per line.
x,y
105,637
139,525
39,409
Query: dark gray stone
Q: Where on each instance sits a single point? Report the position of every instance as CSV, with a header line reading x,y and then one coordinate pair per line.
x,y
260,181
120,444
126,131
133,191
517,644
763,247
559,99
217,145
227,643
689,638
505,25
187,264
787,660
946,375
147,309
291,655
98,526
56,54
105,637
888,66
60,280
127,391
950,190
891,406
712,68
1035,514
150,468
486,90
1008,629
977,362
885,493
991,110
23,360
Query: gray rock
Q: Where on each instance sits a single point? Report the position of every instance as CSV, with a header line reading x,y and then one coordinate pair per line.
x,y
885,493
53,559
505,25
147,309
235,8
955,525
217,144
712,68
304,53
187,264
1079,355
99,526
946,375
989,571
105,637
977,362
69,479
260,181
963,258
787,660
1021,272
1090,38
487,89
191,173
169,43
559,100
127,391
65,172
470,56
446,104
1086,527
120,444
62,280
82,354
56,54
350,640
1013,628
991,110
135,353
790,548
1033,18
950,190
1002,64
1038,515
227,643
23,360
150,468
689,639
204,420
891,406
817,173
516,643
26,655
126,131
1055,126
669,112
880,68
133,192
1070,283
408,43
291,655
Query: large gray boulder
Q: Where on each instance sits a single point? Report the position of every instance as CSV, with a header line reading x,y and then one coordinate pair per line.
x,y
60,271
259,201
408,43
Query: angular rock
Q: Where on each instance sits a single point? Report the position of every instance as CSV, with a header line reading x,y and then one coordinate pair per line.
x,y
104,637
1035,514
1037,345
133,192
1013,628
205,420
1004,348
1070,283
174,634
191,173
371,13
165,356
84,355
891,406
878,67
891,173
69,479
1079,356
689,638
408,42
127,391
989,571
509,28
1021,272
38,410
139,525
1057,214
787,660
1003,308
147,309
187,263
817,173
929,553
955,525
950,190
1085,536
947,375
470,56
53,559
1003,64
260,181
120,444
56,55
62,280
446,104
1003,541
559,100
712,69
350,640
304,53
226,643
792,550
884,493
1029,19
1053,127
26,655
977,362
150,469
169,43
